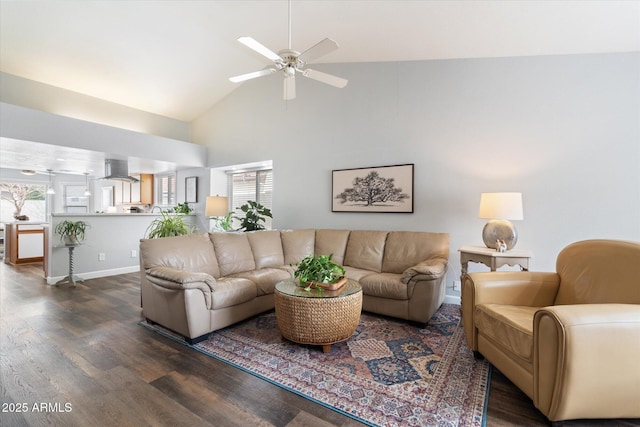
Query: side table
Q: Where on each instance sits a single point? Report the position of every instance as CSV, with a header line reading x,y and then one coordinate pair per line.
x,y
317,317
492,258
71,278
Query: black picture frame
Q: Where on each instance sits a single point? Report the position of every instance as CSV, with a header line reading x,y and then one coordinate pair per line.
x,y
191,189
395,189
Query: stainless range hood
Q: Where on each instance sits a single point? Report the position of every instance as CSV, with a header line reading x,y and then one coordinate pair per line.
x,y
117,170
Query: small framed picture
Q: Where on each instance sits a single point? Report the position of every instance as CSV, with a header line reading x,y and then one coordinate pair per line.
x,y
191,189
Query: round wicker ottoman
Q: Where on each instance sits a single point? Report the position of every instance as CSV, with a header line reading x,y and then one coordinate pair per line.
x,y
317,317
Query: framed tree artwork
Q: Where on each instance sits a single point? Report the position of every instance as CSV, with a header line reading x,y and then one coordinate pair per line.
x,y
373,189
191,189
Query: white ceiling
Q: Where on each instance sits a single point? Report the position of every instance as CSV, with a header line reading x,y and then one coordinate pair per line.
x,y
174,58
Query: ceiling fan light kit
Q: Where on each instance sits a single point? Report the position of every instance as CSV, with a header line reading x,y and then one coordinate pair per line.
x,y
290,61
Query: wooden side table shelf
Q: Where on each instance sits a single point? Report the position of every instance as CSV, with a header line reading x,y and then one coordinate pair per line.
x,y
71,278
492,258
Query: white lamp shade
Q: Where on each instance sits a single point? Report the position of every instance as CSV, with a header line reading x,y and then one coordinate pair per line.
x,y
501,206
217,206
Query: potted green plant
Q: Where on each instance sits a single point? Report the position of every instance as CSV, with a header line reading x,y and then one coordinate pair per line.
x,y
224,223
319,271
71,232
254,213
167,225
183,208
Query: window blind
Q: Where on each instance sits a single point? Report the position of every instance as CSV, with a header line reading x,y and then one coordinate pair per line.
x,y
252,185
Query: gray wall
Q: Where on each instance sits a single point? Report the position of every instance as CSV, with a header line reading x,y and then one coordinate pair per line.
x,y
114,235
563,130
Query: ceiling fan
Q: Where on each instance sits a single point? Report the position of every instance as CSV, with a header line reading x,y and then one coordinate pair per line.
x,y
290,61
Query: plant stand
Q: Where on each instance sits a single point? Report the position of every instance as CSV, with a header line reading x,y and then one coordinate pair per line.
x,y
71,278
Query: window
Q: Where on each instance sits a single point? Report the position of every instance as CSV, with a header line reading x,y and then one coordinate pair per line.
x,y
166,193
252,185
17,198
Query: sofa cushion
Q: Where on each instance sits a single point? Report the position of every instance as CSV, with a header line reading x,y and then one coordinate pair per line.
x,y
267,248
193,253
510,326
230,291
356,273
297,244
332,242
385,285
265,279
404,249
233,252
365,250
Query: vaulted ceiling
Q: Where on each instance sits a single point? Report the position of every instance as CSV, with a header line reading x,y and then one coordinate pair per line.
x,y
174,58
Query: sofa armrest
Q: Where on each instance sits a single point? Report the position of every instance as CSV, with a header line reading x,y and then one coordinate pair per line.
x,y
426,270
533,289
174,278
585,361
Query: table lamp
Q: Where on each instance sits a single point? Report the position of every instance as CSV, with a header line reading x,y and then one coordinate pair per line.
x,y
499,209
216,206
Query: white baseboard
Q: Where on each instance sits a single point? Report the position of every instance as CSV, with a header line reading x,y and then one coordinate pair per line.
x,y
452,299
96,274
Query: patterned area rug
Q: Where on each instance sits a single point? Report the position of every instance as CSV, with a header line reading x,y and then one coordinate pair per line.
x,y
389,373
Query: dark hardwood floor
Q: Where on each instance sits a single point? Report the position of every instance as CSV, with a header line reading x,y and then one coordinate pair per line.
x,y
77,357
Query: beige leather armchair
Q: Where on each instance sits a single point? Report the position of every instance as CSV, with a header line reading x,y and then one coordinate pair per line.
x,y
570,340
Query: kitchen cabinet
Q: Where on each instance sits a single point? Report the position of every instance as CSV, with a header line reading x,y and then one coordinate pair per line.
x,y
126,192
142,191
117,190
136,193
136,197
24,243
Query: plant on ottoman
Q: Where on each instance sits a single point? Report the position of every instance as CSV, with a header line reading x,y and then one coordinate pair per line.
x,y
319,271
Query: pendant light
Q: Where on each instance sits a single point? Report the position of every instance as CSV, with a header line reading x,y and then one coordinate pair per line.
x,y
86,184
50,190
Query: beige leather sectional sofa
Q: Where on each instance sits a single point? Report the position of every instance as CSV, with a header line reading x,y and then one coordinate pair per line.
x,y
199,283
570,339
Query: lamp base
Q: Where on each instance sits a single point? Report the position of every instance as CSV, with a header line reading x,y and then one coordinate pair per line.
x,y
499,229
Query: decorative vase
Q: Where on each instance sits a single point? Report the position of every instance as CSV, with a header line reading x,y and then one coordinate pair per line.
x,y
71,240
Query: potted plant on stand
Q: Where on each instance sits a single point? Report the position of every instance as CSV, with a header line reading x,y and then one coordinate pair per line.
x,y
319,271
71,232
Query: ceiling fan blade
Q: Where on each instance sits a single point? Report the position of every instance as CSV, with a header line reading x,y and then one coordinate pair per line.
x,y
325,78
316,51
260,48
289,87
253,75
